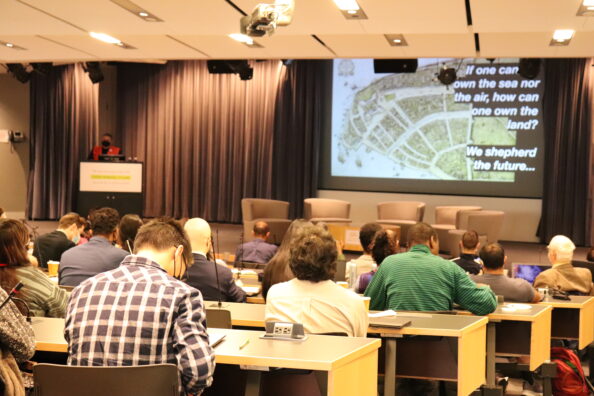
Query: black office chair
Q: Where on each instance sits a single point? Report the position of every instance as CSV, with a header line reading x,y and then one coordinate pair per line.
x,y
150,380
218,318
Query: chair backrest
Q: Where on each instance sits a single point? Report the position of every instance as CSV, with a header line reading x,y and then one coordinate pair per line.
x,y
218,318
486,222
257,208
447,214
401,210
150,380
326,208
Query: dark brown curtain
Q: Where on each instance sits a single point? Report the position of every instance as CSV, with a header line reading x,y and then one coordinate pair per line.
x,y
64,125
206,140
568,109
303,107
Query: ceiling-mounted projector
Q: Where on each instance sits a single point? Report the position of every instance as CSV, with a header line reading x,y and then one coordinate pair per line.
x,y
266,17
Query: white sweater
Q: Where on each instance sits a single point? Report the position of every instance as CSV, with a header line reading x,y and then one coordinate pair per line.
x,y
321,307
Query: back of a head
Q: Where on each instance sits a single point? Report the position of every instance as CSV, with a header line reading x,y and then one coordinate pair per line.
x,y
493,256
470,240
127,230
2,214
421,234
161,234
261,229
294,228
563,247
13,254
104,221
199,233
366,234
69,219
313,255
384,244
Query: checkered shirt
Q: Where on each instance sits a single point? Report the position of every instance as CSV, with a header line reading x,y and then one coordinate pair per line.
x,y
136,314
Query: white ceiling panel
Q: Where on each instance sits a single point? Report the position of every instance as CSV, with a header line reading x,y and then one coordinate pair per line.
x,y
419,45
525,15
433,28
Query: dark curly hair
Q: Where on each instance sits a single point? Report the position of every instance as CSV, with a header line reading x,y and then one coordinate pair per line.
x,y
313,255
104,221
384,244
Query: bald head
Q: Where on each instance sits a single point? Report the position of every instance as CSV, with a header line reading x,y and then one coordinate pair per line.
x,y
198,232
261,230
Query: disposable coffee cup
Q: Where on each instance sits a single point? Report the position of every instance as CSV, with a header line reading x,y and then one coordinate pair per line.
x,y
52,268
366,301
343,284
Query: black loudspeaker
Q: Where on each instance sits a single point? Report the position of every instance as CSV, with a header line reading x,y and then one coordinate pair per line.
x,y
529,67
226,66
395,65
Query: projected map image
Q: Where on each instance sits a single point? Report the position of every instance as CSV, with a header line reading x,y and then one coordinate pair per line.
x,y
410,126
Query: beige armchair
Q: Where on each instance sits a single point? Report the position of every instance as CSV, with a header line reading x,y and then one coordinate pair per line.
x,y
404,214
273,212
327,210
446,220
487,223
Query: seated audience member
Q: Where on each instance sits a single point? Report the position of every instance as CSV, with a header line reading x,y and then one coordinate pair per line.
x,y
420,280
42,296
277,270
312,298
201,274
17,342
144,297
469,259
365,262
257,250
96,256
590,255
564,276
514,290
50,246
384,244
127,229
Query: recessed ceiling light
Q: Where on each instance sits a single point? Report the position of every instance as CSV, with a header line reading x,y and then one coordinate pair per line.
x,y
347,5
352,12
563,34
587,3
9,45
106,38
396,40
143,14
242,38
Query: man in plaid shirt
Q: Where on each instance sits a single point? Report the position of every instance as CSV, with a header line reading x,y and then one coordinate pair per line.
x,y
141,313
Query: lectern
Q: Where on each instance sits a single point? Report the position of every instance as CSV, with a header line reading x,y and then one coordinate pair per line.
x,y
118,185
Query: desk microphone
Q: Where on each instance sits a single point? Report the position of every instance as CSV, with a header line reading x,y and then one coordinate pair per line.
x,y
240,255
220,295
12,293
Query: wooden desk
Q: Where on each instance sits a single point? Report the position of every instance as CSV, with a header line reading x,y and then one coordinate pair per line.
x,y
573,319
350,363
447,347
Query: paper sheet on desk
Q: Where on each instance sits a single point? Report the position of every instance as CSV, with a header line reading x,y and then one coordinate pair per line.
x,y
251,290
383,314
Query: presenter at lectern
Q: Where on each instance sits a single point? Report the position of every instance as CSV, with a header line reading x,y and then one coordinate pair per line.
x,y
105,148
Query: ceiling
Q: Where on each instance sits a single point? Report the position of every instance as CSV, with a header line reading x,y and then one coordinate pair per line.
x,y
57,30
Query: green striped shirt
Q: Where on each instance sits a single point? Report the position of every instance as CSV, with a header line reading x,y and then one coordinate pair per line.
x,y
43,297
420,281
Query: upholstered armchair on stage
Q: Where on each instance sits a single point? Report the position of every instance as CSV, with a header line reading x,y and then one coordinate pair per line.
x,y
487,223
404,214
446,220
327,210
273,212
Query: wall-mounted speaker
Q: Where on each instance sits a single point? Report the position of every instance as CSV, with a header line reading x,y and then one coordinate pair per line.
x,y
395,65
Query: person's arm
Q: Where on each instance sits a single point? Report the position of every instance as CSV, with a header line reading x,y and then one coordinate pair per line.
x,y
52,298
377,291
195,357
15,333
478,300
536,297
234,293
541,281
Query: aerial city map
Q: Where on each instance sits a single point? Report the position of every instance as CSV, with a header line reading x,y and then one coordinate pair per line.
x,y
411,126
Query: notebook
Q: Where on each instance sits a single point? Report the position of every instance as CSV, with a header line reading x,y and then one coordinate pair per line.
x,y
391,322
